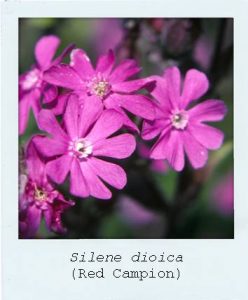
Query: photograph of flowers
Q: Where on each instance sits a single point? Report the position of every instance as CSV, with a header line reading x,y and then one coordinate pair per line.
x,y
126,128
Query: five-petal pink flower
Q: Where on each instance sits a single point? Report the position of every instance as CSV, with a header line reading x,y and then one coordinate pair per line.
x,y
76,148
182,127
108,84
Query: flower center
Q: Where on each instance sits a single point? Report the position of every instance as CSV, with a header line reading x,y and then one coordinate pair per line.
x,y
80,148
31,80
99,86
39,194
179,119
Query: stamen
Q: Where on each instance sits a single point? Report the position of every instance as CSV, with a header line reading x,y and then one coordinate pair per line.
x,y
179,119
99,86
80,148
40,194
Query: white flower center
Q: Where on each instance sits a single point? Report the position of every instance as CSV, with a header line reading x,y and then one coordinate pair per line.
x,y
179,119
99,86
31,80
80,148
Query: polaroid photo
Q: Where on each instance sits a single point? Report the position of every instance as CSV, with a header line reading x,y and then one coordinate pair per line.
x,y
121,149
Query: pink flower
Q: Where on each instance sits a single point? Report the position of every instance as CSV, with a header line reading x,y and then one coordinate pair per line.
x,y
38,198
109,85
223,195
182,127
31,83
75,148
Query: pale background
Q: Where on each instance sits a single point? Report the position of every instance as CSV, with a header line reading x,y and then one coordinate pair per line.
x,y
40,269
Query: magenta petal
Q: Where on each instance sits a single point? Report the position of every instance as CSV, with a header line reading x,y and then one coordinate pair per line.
x,y
80,62
47,213
124,70
65,52
109,122
49,147
33,220
78,186
45,50
170,146
196,152
24,108
209,137
71,116
50,92
111,103
31,99
53,218
60,104
35,103
90,110
209,110
138,105
158,149
129,124
54,223
34,164
110,173
173,84
195,85
129,86
105,63
48,123
120,146
22,79
160,92
150,129
95,185
58,169
64,76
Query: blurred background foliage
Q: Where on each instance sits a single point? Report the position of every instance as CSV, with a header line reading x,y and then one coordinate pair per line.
x,y
157,202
